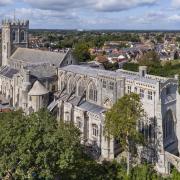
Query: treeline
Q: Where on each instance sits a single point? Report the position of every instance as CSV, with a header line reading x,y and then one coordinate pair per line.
x,y
70,39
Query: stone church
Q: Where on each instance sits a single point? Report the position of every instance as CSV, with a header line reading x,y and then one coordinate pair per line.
x,y
31,79
28,77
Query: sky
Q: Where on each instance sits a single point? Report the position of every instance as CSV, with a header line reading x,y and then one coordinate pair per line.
x,y
95,14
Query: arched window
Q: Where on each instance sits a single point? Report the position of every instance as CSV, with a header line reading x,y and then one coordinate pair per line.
x,y
92,92
63,83
95,131
71,85
22,36
81,88
168,125
14,35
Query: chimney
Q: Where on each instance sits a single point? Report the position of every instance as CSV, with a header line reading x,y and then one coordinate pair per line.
x,y
142,71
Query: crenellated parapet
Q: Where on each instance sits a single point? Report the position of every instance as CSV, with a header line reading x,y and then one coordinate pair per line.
x,y
9,22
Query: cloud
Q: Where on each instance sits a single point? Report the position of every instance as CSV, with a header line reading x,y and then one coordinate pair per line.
x,y
176,3
174,17
5,2
119,5
149,18
99,5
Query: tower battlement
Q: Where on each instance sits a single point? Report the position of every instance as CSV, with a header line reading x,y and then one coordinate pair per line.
x,y
9,22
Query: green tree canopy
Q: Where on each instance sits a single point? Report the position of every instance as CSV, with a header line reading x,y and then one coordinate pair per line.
x,y
149,59
36,146
81,52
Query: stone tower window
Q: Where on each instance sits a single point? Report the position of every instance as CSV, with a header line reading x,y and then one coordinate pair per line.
x,y
93,92
22,36
14,35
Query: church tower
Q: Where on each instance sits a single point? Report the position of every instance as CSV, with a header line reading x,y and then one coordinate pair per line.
x,y
14,35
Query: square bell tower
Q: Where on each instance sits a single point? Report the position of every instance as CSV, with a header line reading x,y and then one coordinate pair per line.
x,y
14,35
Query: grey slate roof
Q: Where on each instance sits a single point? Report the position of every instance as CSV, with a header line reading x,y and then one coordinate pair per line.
x,y
32,56
8,72
119,73
93,108
84,105
89,71
42,71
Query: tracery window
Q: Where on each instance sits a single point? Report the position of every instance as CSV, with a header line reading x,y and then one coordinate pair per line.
x,y
93,92
71,85
81,88
62,84
168,125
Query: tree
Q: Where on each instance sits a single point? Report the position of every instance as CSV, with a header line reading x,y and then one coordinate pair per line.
x,y
81,52
149,59
38,147
121,123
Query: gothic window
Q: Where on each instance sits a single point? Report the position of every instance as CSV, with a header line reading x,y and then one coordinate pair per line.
x,y
81,88
92,92
168,125
111,85
150,93
142,93
22,36
95,130
71,85
14,35
62,84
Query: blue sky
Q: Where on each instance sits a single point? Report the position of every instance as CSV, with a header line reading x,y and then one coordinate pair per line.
x,y
95,14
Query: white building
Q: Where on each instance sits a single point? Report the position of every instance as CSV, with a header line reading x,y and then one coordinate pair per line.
x,y
86,93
